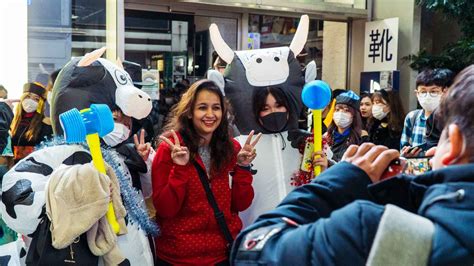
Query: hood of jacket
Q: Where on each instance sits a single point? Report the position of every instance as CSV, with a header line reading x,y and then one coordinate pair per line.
x,y
445,196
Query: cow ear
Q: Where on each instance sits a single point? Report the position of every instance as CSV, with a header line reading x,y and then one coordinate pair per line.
x,y
120,63
222,49
311,71
89,58
217,77
301,35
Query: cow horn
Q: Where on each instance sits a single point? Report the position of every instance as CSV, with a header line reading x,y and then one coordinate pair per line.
x,y
301,35
120,63
222,49
89,58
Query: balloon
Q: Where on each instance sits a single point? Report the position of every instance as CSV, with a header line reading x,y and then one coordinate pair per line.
x,y
316,94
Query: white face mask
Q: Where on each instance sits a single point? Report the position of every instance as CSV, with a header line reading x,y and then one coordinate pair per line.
x,y
117,136
29,105
429,103
342,119
377,111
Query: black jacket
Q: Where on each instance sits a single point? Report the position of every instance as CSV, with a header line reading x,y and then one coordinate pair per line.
x,y
381,134
6,117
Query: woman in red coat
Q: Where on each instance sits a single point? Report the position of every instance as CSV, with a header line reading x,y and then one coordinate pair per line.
x,y
200,133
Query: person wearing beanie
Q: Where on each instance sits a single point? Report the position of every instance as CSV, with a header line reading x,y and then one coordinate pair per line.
x,y
346,126
28,128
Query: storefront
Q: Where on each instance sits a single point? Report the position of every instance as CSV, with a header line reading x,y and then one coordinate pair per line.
x,y
170,39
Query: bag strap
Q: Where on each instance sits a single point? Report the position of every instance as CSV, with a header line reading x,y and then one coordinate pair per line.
x,y
218,214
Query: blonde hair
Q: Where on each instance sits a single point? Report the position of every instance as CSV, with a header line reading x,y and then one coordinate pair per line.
x,y
34,127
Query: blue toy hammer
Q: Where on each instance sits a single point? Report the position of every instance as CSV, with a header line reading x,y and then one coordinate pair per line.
x,y
89,124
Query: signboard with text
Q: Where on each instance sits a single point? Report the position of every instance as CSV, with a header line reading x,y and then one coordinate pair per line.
x,y
381,45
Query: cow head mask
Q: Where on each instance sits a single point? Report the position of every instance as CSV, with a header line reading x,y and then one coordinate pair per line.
x,y
91,79
250,70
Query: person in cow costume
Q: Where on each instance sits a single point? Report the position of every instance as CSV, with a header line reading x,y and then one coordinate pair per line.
x,y
248,72
82,82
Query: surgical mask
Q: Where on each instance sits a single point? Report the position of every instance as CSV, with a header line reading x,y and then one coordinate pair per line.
x,y
29,105
342,119
275,122
377,111
429,103
117,136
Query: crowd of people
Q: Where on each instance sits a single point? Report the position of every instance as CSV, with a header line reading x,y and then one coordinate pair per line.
x,y
213,200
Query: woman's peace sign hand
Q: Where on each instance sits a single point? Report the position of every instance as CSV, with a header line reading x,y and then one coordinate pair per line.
x,y
179,154
248,152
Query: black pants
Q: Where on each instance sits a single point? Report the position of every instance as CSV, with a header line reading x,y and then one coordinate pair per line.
x,y
160,262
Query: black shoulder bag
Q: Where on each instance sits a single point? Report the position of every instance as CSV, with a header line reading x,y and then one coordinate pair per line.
x,y
218,214
42,252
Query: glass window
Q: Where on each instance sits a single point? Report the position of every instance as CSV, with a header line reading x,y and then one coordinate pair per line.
x,y
176,46
274,31
59,30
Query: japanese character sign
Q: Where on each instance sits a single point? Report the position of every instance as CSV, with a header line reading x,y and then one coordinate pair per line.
x,y
381,45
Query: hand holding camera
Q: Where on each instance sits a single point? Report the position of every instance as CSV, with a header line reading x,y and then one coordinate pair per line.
x,y
372,159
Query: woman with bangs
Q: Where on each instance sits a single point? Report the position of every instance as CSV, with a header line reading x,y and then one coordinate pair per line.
x,y
346,127
388,116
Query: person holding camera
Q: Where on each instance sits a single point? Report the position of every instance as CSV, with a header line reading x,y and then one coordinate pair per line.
x,y
347,216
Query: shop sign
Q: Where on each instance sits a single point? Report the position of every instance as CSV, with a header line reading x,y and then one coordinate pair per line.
x,y
381,45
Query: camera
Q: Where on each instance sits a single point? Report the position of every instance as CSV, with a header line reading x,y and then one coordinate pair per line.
x,y
409,166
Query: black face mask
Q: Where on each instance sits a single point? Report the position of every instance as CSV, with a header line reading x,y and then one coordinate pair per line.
x,y
275,122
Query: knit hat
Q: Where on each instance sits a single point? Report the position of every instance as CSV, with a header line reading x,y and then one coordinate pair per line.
x,y
349,98
36,88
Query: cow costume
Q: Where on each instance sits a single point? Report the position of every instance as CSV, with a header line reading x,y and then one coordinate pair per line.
x,y
247,72
82,82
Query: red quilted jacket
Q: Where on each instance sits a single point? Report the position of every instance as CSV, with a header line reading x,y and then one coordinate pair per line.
x,y
189,231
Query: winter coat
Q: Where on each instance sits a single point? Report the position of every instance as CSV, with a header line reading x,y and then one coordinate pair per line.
x,y
22,146
6,117
380,133
334,219
189,231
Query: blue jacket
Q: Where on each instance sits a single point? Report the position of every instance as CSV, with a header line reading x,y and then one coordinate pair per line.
x,y
337,216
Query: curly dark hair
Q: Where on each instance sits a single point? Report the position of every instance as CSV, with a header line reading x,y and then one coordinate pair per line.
x,y
181,121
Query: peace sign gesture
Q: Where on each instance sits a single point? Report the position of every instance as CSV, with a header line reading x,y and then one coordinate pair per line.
x,y
248,152
143,148
179,154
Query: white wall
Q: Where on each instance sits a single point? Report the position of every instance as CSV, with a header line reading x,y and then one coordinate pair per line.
x,y
335,54
408,43
409,15
14,46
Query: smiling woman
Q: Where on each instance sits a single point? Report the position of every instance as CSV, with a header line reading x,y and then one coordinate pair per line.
x,y
192,164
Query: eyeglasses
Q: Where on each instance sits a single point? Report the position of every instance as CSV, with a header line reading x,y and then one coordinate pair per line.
x,y
432,93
